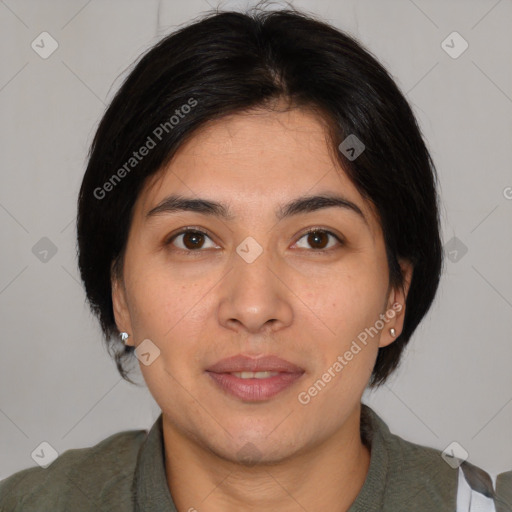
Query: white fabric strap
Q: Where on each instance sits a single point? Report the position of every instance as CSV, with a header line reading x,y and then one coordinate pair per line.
x,y
469,500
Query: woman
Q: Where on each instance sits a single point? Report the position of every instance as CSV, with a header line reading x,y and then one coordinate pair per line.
x,y
259,224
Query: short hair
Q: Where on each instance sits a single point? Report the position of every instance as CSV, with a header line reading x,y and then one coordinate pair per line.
x,y
231,62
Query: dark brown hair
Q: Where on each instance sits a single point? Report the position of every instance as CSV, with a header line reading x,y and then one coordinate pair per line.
x,y
229,62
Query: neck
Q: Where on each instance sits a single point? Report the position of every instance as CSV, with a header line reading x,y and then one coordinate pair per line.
x,y
326,476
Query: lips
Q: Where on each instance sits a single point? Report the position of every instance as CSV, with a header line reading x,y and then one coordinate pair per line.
x,y
254,380
242,363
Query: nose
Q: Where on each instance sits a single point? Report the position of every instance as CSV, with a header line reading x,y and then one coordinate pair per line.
x,y
255,297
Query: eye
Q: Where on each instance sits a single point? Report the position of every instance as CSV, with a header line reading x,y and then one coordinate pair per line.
x,y
190,240
193,240
318,239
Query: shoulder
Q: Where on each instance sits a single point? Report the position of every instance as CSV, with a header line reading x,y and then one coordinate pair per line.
x,y
442,479
422,471
504,491
79,479
406,461
421,475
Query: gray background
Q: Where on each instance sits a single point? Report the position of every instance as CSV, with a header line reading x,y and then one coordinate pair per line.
x,y
57,383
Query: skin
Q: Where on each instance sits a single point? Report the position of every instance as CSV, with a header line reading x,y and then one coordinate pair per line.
x,y
301,303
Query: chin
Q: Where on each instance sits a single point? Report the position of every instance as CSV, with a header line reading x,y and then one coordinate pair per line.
x,y
251,453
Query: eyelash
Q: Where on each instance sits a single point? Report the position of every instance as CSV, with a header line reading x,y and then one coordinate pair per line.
x,y
187,230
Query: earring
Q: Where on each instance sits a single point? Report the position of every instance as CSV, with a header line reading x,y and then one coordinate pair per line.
x,y
392,332
124,337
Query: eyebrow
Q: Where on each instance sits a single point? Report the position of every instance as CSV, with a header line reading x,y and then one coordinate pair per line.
x,y
300,205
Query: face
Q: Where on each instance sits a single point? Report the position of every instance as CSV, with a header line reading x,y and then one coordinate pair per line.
x,y
290,289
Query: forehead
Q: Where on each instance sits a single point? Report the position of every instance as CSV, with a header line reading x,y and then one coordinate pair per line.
x,y
256,144
254,161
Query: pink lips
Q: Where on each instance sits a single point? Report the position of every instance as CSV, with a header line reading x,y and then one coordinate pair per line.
x,y
254,389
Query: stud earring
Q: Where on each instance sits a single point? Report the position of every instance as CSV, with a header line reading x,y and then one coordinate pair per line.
x,y
124,337
392,332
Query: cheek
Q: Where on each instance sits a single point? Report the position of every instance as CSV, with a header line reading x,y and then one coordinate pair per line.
x,y
347,300
175,314
161,298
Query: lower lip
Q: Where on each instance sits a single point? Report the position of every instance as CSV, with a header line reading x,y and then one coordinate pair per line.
x,y
254,390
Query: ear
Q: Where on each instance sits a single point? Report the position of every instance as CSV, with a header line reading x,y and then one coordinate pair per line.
x,y
396,303
120,306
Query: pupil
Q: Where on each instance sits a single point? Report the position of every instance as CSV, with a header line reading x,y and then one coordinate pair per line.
x,y
314,237
194,238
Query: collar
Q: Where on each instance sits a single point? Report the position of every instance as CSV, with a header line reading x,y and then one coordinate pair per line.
x,y
152,494
150,489
373,434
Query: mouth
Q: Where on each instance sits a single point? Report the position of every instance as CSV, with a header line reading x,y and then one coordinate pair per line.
x,y
254,380
254,375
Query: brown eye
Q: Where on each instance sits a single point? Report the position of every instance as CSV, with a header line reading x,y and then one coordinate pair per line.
x,y
193,240
318,239
190,240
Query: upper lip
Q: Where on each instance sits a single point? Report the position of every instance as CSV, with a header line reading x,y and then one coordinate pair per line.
x,y
241,363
